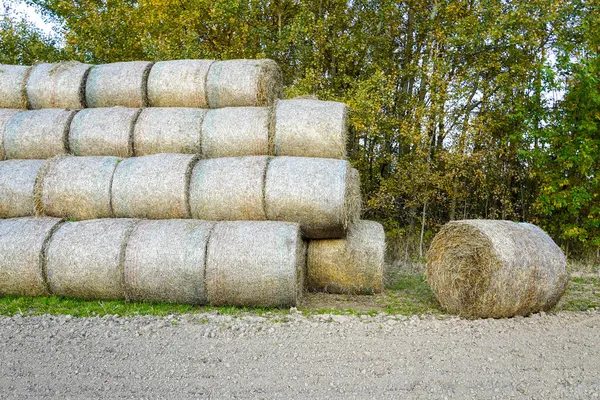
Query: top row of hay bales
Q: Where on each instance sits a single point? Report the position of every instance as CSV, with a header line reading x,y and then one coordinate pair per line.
x,y
177,83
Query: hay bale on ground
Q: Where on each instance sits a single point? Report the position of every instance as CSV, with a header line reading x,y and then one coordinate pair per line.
x,y
168,130
22,245
85,259
76,187
240,83
228,189
236,132
5,116
60,85
353,265
17,187
38,134
178,83
165,260
12,86
118,84
495,269
154,186
311,128
316,192
251,263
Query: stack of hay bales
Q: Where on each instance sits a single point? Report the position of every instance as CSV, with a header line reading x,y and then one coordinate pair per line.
x,y
182,181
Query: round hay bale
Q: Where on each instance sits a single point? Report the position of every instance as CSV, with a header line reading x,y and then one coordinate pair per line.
x,y
118,84
236,132
251,263
178,83
495,269
60,85
240,83
164,261
168,130
22,246
103,132
12,85
353,265
76,187
38,134
85,259
316,192
5,116
153,187
17,187
228,189
311,128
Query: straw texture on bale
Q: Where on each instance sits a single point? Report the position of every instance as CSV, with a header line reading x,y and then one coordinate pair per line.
x,y
168,130
22,245
178,83
240,83
85,259
103,132
153,187
228,189
76,187
38,134
5,116
252,263
60,85
316,192
17,187
12,86
164,261
495,269
353,265
118,84
235,132
311,128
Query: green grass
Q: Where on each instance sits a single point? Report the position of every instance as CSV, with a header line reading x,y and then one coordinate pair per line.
x,y
583,293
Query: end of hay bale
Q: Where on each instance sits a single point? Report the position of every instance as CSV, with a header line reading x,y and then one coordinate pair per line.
x,y
17,187
178,83
59,85
13,79
118,84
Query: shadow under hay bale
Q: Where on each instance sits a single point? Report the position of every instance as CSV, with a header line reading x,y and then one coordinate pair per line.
x,y
118,84
60,85
12,86
17,187
165,261
5,116
495,269
353,265
178,83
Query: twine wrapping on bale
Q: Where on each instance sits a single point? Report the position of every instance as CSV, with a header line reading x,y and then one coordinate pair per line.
x,y
5,116
164,261
178,83
235,132
353,265
255,263
318,193
60,85
240,83
85,259
22,246
12,86
495,269
38,134
168,130
228,189
118,84
76,187
153,187
311,128
17,187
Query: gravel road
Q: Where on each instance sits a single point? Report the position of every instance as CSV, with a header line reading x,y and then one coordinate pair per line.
x,y
297,356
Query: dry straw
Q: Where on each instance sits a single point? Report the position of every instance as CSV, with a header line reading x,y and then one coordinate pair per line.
x,y
164,261
17,184
168,130
255,263
353,265
154,186
85,259
485,268
5,116
60,85
118,84
228,189
240,83
12,86
178,83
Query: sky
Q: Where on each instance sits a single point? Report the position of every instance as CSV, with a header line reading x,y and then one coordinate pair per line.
x,y
19,7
